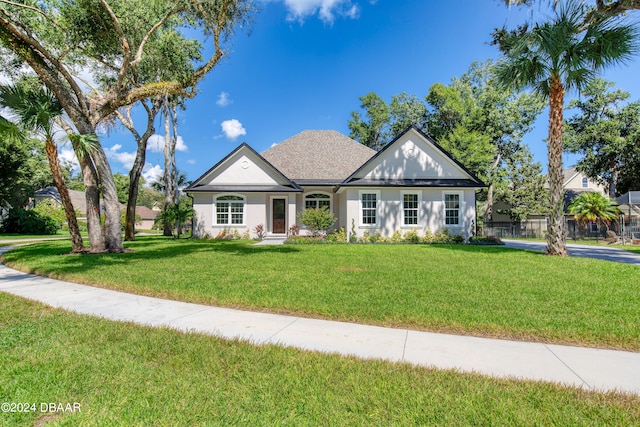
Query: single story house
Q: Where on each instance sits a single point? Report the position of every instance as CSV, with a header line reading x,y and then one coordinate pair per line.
x,y
146,216
78,199
411,184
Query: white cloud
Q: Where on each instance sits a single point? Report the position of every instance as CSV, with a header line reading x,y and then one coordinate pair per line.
x,y
155,143
326,9
191,161
223,99
126,159
68,156
151,173
180,145
233,129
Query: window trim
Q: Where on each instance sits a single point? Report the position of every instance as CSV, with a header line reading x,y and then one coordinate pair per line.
x,y
402,209
585,182
311,193
229,223
377,208
460,195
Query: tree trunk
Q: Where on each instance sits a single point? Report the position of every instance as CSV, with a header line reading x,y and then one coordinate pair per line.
x,y
134,180
112,223
168,198
488,213
556,244
74,231
92,196
615,174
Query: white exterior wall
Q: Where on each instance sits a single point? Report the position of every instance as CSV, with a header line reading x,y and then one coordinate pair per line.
x,y
431,211
257,210
336,206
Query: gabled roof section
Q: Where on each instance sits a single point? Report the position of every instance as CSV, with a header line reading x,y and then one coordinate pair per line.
x,y
241,169
318,156
413,158
78,198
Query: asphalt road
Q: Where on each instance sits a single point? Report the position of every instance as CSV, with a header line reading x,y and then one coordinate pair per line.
x,y
607,253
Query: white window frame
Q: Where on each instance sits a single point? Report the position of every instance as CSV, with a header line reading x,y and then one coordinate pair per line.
x,y
585,182
377,208
460,195
311,193
402,209
229,212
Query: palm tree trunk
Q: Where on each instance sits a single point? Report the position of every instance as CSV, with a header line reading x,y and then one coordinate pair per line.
x,y
52,155
556,244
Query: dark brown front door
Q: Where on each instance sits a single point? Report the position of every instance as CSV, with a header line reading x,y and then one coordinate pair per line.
x,y
279,217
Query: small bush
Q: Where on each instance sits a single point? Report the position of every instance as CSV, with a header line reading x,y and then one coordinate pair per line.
x,y
411,236
246,235
318,221
29,222
224,235
489,241
338,236
306,240
397,237
353,236
259,231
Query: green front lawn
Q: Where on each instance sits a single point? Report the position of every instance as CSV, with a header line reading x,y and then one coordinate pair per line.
x,y
487,291
121,374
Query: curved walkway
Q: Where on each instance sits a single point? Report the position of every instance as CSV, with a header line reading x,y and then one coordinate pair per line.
x,y
607,253
593,369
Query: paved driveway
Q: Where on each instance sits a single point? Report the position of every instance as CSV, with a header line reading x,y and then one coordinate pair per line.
x,y
608,253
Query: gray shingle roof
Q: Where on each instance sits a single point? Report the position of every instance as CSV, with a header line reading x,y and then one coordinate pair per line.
x,y
318,155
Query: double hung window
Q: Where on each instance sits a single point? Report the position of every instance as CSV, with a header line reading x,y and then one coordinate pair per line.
x,y
229,210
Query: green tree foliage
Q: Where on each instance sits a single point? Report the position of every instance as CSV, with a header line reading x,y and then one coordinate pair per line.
x,y
37,110
523,186
590,207
473,118
52,210
317,220
607,135
23,165
118,42
597,10
176,216
553,57
23,221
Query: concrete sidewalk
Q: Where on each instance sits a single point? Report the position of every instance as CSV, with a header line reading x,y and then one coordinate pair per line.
x,y
593,369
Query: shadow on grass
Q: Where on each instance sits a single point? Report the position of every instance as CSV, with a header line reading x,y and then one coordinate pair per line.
x,y
144,248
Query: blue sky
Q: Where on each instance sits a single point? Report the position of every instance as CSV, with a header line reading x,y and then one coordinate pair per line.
x,y
306,62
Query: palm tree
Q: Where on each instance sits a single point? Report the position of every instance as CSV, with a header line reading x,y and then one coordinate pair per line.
x,y
552,58
590,207
37,109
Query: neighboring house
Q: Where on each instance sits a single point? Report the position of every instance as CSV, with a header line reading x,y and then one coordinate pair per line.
x,y
79,202
629,204
78,199
145,217
574,182
412,183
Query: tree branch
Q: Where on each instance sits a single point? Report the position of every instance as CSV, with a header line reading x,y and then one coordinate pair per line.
x,y
153,29
34,9
126,50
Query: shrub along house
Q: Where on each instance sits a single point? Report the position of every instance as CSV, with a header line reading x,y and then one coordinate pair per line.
x,y
411,184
